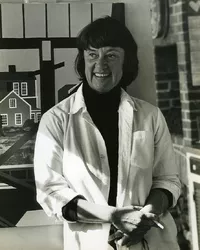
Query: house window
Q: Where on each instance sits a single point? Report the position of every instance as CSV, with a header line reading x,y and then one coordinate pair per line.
x,y
18,119
12,103
38,117
4,120
33,116
24,89
16,87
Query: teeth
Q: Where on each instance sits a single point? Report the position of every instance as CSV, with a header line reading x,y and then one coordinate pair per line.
x,y
101,75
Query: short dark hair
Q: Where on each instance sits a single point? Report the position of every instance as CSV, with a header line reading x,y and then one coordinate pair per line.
x,y
103,32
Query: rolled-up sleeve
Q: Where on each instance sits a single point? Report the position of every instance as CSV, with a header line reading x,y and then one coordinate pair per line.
x,y
53,190
165,169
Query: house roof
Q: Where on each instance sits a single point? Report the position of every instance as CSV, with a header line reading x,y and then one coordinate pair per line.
x,y
5,94
12,92
17,76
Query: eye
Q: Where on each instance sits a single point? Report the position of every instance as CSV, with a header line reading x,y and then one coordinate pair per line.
x,y
92,55
111,56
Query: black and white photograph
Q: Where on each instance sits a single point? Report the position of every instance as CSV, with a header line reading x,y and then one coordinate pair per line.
x,y
99,125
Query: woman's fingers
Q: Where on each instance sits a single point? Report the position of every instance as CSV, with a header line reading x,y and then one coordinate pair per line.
x,y
153,220
130,243
115,236
124,240
151,216
127,220
130,240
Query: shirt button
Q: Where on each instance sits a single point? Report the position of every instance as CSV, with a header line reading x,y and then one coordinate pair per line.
x,y
102,156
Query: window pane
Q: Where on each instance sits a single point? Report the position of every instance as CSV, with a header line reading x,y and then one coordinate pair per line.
x,y
12,103
16,87
4,120
38,117
24,90
18,119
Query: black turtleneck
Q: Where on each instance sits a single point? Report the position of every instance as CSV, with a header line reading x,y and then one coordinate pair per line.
x,y
103,109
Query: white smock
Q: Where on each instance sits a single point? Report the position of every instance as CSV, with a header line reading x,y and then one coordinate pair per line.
x,y
71,159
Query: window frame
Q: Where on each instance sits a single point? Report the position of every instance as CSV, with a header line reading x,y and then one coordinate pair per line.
x,y
14,83
3,125
16,118
38,117
15,102
33,116
26,88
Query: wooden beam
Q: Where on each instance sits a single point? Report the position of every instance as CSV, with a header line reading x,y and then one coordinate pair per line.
x,y
118,12
15,182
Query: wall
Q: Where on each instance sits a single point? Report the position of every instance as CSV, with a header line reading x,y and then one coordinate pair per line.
x,y
138,21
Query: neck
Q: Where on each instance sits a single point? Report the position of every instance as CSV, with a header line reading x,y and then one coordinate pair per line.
x,y
108,101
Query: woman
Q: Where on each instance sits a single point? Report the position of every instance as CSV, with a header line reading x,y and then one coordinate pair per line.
x,y
104,161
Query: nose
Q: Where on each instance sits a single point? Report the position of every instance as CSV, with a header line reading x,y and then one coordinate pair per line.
x,y
101,63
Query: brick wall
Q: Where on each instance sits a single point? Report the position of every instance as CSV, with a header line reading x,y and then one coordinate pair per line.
x,y
184,35
167,87
178,90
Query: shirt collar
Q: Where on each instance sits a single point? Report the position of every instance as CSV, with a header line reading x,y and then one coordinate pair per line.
x,y
79,102
126,99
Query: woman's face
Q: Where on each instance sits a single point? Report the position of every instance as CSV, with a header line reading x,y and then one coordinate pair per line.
x,y
103,67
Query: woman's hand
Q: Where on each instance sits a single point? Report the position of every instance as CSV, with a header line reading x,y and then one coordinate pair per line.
x,y
131,239
132,224
126,240
130,220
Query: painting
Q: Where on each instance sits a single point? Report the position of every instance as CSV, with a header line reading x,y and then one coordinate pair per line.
x,y
37,51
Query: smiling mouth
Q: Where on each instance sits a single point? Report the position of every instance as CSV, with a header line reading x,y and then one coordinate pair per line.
x,y
101,75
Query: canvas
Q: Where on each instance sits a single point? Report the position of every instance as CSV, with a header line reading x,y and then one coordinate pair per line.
x,y
37,51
